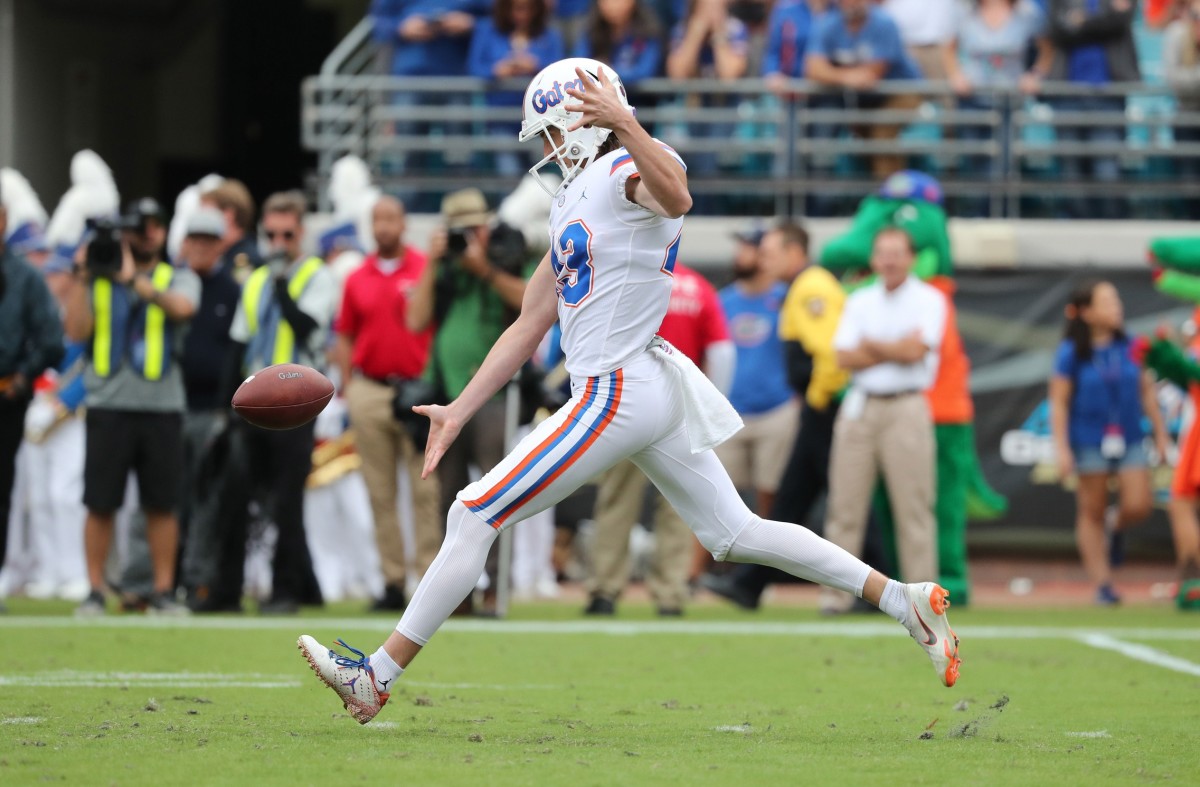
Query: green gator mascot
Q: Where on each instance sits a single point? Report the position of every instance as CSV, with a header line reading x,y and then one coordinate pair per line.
x,y
1176,271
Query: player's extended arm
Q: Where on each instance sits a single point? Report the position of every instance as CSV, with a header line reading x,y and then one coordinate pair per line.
x,y
661,185
514,347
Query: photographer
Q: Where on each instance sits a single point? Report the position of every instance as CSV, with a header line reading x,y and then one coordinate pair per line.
x,y
469,294
131,309
382,360
283,316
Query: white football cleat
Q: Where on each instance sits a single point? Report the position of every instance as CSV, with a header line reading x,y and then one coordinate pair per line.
x,y
352,678
928,625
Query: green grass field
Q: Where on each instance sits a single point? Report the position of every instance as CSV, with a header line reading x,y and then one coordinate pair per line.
x,y
1061,697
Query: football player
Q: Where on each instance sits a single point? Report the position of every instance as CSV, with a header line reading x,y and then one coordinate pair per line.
x,y
615,226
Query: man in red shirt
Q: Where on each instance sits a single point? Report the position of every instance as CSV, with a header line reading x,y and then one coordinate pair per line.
x,y
377,352
695,325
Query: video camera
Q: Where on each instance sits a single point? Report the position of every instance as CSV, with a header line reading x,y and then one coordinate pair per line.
x,y
104,249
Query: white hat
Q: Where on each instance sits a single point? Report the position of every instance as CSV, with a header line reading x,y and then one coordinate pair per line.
x,y
206,220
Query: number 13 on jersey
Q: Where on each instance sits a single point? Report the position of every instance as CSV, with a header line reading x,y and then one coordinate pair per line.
x,y
572,263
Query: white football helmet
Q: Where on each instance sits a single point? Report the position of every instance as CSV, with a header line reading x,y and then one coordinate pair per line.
x,y
544,108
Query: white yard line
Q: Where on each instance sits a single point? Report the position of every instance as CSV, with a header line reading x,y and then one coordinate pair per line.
x,y
574,627
1104,639
175,680
1143,653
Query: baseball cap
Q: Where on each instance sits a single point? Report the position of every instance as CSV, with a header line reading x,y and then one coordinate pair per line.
x,y
751,235
205,221
465,208
338,238
144,208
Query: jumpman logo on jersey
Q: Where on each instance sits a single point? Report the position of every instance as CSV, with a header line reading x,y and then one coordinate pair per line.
x,y
583,194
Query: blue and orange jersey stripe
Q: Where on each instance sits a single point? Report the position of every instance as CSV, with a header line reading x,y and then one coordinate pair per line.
x,y
625,158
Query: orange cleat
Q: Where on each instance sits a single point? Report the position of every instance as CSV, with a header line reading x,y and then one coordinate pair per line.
x,y
929,626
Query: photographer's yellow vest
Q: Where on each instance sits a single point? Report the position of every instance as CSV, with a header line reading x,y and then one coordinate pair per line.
x,y
272,340
125,332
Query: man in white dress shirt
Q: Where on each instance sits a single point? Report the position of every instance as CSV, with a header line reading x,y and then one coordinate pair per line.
x,y
888,338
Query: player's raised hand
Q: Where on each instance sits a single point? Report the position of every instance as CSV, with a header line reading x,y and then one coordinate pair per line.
x,y
600,103
443,429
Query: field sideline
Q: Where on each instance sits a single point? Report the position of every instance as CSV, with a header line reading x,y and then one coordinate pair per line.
x,y
1061,696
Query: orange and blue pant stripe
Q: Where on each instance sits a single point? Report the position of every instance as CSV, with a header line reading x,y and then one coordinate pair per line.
x,y
555,454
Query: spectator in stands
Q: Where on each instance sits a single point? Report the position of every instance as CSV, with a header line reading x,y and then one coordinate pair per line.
x,y
1098,396
426,38
282,316
574,22
204,360
626,35
708,43
787,42
888,338
925,27
853,47
1095,48
1160,13
988,52
379,353
468,294
239,245
1181,60
756,16
696,326
517,41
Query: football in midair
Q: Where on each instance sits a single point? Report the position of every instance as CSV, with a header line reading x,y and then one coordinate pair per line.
x,y
283,396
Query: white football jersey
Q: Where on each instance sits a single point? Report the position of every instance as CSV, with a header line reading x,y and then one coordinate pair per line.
x,y
613,261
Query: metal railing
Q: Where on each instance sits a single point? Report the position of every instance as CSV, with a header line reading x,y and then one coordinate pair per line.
x,y
750,150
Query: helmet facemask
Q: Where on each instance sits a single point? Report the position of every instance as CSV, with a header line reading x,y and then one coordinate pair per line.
x,y
572,152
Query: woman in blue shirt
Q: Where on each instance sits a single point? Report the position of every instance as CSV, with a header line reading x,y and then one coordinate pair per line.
x,y
1098,396
987,56
516,42
624,34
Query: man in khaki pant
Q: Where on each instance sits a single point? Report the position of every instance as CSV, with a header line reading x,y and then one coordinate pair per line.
x,y
377,352
888,338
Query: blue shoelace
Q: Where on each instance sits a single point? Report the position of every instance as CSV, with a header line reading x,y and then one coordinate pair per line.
x,y
346,661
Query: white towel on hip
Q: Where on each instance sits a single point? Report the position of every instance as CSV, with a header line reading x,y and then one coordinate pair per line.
x,y
708,415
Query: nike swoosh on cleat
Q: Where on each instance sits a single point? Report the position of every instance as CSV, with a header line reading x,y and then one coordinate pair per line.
x,y
930,638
